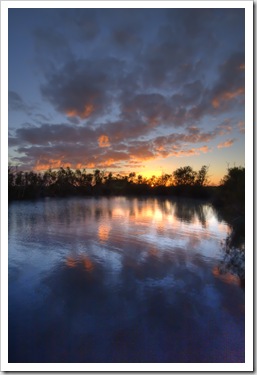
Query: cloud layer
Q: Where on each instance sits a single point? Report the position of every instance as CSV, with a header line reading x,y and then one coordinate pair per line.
x,y
157,84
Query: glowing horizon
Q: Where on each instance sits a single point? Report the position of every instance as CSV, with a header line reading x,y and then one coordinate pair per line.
x,y
145,174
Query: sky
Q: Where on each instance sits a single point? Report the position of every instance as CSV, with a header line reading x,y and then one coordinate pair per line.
x,y
127,90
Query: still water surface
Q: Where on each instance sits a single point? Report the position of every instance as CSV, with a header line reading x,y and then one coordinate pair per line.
x,y
121,280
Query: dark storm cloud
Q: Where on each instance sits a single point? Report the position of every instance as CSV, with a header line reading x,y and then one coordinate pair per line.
x,y
162,60
157,63
231,81
54,133
176,52
151,107
89,88
154,109
84,88
225,94
122,130
189,44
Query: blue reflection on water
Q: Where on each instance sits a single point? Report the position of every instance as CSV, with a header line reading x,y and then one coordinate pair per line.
x,y
120,280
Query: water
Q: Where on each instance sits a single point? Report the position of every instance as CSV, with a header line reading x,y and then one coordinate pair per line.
x,y
121,280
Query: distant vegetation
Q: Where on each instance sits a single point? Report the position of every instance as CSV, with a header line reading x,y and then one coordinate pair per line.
x,y
184,182
65,181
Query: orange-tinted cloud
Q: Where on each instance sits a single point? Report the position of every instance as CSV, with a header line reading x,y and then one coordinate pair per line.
x,y
103,141
226,96
191,152
91,165
227,143
204,149
215,103
109,162
51,163
85,113
233,94
124,154
241,126
71,112
224,128
64,145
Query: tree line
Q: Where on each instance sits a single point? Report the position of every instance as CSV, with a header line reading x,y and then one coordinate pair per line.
x,y
184,181
65,181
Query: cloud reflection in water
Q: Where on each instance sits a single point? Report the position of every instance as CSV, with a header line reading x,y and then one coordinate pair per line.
x,y
120,280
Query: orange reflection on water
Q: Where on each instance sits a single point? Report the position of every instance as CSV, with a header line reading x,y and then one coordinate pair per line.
x,y
153,213
223,228
80,260
227,277
88,264
153,252
119,212
71,262
103,232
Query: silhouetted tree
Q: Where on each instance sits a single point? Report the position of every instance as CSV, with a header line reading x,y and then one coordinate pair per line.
x,y
164,180
184,176
232,189
98,177
202,176
153,181
132,177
